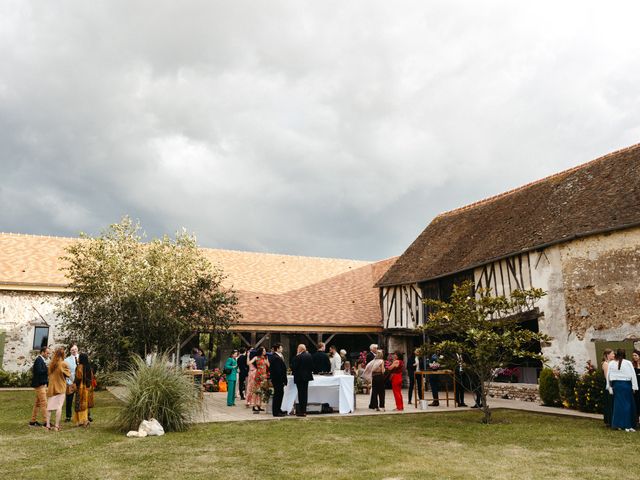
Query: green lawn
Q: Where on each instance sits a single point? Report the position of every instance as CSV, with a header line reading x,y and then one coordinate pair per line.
x,y
439,446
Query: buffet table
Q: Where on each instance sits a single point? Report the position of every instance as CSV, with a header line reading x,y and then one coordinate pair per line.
x,y
336,390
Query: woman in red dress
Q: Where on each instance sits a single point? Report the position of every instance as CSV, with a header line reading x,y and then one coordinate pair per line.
x,y
396,368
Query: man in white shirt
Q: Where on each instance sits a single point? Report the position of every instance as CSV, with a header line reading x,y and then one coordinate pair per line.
x,y
72,361
336,360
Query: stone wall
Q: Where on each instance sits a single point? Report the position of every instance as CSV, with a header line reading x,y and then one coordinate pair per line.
x,y
20,313
602,285
527,392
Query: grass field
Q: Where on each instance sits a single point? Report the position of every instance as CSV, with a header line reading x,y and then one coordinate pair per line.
x,y
440,446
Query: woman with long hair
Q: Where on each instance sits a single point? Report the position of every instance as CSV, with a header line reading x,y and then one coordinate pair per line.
x,y
84,391
622,382
251,378
374,373
635,360
261,378
59,371
607,356
396,368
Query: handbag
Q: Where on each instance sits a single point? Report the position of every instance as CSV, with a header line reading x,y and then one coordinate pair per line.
x,y
71,388
226,371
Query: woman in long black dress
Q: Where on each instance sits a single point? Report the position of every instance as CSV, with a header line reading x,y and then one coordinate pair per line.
x,y
636,366
607,356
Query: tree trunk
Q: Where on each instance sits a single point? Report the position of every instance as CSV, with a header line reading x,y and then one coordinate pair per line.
x,y
485,406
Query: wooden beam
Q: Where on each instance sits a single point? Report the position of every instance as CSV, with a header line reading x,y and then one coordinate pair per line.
x,y
246,342
265,337
188,339
310,339
253,338
330,338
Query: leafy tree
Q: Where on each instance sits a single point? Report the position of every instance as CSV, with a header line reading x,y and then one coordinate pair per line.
x,y
485,329
133,297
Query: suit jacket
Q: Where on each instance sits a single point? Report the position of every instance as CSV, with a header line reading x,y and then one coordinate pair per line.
x,y
302,368
40,373
243,368
321,363
370,356
278,370
232,365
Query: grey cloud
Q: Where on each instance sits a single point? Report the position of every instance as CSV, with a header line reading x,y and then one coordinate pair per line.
x,y
312,128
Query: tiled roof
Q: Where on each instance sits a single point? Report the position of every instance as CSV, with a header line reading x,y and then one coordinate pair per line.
x,y
599,196
272,289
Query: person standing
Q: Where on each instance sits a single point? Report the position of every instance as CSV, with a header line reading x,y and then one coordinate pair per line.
x,y
251,367
459,379
321,363
56,391
278,372
231,373
396,368
199,358
371,354
607,356
374,373
336,360
72,361
302,368
243,372
39,382
635,356
261,377
622,383
84,392
412,366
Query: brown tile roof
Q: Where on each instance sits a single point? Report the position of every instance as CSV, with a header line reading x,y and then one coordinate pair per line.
x,y
272,289
598,196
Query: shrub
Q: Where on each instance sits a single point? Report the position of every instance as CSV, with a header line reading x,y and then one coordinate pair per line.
x,y
158,391
590,391
567,382
15,379
549,388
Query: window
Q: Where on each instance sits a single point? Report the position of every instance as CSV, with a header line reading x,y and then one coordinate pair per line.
x,y
40,337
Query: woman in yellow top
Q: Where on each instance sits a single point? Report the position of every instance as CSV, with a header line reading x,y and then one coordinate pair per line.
x,y
58,373
84,391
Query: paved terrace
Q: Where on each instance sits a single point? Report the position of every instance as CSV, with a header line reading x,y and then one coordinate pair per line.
x,y
215,408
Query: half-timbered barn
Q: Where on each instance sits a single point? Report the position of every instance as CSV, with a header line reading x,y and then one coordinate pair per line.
x,y
575,234
282,298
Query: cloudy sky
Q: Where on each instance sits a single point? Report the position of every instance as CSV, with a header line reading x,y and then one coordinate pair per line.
x,y
322,128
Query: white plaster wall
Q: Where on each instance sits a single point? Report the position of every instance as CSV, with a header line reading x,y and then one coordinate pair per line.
x,y
546,273
20,312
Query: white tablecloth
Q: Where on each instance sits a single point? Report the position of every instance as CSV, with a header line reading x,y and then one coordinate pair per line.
x,y
337,391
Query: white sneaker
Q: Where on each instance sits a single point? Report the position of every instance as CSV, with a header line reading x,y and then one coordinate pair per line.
x,y
629,430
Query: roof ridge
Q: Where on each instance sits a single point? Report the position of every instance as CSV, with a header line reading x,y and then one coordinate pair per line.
x,y
535,182
363,262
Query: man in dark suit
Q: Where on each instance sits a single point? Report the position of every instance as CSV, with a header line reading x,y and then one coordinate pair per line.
x,y
302,368
39,383
321,362
371,354
278,372
243,372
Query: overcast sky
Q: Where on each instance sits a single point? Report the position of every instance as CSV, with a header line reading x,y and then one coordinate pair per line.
x,y
321,128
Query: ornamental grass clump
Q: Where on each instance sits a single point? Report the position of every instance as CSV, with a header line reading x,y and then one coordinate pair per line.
x,y
159,391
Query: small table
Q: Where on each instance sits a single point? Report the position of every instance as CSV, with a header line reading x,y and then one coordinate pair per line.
x,y
194,374
424,373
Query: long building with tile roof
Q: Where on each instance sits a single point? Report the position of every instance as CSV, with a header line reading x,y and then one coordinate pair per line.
x,y
576,234
315,298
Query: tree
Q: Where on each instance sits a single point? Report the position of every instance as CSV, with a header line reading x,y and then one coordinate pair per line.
x,y
485,330
133,297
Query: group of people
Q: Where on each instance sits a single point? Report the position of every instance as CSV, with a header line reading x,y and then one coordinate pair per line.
x,y
255,371
622,398
62,381
377,372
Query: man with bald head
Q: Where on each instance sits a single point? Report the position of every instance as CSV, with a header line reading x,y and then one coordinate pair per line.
x,y
302,368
